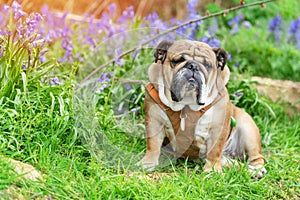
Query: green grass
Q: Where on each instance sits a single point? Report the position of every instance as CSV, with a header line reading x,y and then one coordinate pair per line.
x,y
40,128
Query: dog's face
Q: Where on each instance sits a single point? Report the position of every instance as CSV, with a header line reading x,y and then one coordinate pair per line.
x,y
189,72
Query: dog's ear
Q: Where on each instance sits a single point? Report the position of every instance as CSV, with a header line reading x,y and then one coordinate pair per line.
x,y
161,51
221,56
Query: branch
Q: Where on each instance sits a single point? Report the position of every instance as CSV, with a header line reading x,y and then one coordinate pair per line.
x,y
224,12
140,82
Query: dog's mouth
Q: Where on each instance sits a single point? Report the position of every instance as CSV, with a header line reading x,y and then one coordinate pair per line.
x,y
187,86
192,84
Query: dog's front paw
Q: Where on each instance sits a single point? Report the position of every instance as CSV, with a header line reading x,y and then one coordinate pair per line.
x,y
257,171
147,164
208,167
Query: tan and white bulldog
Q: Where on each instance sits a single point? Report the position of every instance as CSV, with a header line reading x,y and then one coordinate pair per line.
x,y
188,111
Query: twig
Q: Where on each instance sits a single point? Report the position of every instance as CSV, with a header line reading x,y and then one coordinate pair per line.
x,y
224,12
140,82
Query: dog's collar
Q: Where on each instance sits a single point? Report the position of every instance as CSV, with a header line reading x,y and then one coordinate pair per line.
x,y
175,116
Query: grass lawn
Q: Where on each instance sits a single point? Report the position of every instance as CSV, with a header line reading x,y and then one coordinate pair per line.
x,y
85,139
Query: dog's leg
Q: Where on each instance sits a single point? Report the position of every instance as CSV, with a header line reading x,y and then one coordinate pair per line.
x,y
150,160
249,142
154,137
219,134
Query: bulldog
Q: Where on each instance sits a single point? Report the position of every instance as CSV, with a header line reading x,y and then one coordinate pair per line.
x,y
189,114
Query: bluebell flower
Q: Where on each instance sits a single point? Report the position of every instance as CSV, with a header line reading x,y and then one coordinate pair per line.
x,y
213,28
5,8
234,23
274,26
127,86
154,21
191,6
236,64
17,10
229,56
127,14
118,60
103,82
234,29
246,24
294,32
54,81
135,109
211,41
112,10
236,20
294,27
274,23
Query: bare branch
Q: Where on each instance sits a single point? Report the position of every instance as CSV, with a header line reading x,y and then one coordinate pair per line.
x,y
224,13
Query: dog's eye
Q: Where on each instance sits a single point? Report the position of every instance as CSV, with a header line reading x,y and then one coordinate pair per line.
x,y
177,61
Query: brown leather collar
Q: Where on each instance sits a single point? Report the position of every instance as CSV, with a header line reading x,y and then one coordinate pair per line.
x,y
176,116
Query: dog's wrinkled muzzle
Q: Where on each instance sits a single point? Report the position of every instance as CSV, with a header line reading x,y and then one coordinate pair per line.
x,y
188,82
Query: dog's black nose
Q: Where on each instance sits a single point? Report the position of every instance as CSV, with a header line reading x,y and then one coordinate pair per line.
x,y
192,66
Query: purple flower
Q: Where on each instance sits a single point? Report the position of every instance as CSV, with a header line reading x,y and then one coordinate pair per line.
x,y
127,86
247,24
17,10
211,41
294,27
236,64
154,21
213,28
135,109
294,32
118,60
234,23
5,8
238,94
127,14
112,10
191,6
274,26
236,20
103,82
235,29
229,56
54,81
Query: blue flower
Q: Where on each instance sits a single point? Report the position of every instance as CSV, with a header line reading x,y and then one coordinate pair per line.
x,y
236,20
103,82
191,6
17,10
294,32
127,14
211,41
54,81
274,26
213,28
118,60
294,27
235,29
247,24
234,23
127,86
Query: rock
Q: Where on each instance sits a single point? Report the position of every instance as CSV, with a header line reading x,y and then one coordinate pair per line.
x,y
278,90
27,170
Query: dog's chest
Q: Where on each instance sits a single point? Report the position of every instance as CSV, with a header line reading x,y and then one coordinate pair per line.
x,y
196,130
